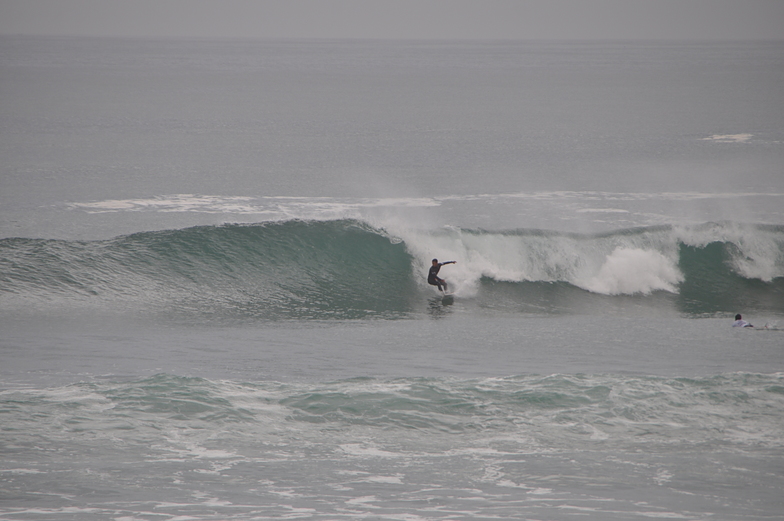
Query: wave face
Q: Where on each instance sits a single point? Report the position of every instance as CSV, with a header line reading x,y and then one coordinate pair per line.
x,y
294,269
349,269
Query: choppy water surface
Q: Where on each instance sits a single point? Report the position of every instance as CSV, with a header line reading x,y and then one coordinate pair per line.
x,y
613,447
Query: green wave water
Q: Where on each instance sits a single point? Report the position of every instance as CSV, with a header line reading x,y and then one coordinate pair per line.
x,y
347,269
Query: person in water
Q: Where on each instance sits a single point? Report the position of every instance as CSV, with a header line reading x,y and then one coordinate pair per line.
x,y
739,322
432,275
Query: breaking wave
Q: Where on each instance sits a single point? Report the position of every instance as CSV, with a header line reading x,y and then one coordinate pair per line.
x,y
350,269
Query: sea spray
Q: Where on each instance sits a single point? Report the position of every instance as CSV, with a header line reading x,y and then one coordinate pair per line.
x,y
627,271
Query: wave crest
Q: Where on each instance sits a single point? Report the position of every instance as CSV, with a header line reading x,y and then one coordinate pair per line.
x,y
349,269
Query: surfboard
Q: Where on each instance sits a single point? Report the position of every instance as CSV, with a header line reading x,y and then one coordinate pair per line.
x,y
448,298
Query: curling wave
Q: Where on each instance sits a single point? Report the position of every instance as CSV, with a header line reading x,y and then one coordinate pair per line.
x,y
349,269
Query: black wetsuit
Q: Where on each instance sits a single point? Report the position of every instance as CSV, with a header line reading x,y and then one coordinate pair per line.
x,y
432,276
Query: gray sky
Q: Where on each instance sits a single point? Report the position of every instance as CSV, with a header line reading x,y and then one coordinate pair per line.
x,y
438,19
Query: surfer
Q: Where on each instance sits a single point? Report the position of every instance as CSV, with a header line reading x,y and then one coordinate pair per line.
x,y
432,275
739,322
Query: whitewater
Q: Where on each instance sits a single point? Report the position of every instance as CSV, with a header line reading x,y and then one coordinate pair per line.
x,y
347,269
213,295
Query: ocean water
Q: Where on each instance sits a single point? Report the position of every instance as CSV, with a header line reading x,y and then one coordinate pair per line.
x,y
213,296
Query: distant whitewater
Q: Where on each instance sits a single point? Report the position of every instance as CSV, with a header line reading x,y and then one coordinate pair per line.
x,y
347,269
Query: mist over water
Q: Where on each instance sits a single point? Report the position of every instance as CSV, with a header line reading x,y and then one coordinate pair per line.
x,y
213,296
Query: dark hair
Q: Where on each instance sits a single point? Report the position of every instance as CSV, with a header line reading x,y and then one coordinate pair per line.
x,y
737,317
435,260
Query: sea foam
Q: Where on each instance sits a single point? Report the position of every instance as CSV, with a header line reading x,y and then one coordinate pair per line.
x,y
627,271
